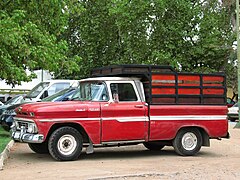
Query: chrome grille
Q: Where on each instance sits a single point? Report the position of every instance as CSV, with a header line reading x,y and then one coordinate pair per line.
x,y
21,124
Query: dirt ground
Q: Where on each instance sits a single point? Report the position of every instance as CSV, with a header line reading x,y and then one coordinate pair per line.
x,y
220,161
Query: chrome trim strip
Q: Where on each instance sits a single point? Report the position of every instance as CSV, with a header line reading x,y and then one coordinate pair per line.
x,y
23,119
189,117
143,119
127,119
120,119
69,119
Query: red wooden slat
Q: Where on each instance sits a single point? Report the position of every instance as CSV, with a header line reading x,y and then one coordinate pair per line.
x,y
159,91
189,91
213,91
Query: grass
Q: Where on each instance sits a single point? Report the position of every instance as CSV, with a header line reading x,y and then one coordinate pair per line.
x,y
4,139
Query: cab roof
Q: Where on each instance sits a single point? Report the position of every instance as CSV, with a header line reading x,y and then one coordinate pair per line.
x,y
111,79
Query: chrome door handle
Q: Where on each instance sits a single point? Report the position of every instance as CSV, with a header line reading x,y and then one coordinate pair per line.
x,y
138,106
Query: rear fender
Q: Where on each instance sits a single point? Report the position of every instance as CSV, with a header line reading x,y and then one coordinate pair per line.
x,y
205,136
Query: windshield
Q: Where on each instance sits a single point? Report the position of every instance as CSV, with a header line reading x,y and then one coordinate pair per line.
x,y
93,91
235,105
76,94
37,90
14,100
58,95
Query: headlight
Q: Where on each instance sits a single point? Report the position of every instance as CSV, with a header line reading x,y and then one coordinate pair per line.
x,y
25,126
32,128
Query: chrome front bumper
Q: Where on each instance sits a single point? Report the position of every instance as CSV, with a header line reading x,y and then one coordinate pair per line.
x,y
21,136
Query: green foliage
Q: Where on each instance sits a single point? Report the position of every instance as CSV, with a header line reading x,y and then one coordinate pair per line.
x,y
30,38
70,37
189,35
4,139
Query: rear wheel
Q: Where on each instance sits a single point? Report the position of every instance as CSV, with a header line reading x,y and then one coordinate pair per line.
x,y
188,142
153,146
65,144
39,148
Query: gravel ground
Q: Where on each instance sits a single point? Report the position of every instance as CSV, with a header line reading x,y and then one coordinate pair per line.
x,y
220,161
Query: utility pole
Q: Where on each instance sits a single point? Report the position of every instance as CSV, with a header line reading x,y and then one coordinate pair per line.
x,y
42,75
238,58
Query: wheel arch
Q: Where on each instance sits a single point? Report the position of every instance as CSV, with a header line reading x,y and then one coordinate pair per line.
x,y
77,126
205,136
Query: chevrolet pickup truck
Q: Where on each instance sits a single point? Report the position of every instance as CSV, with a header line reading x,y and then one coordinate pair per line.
x,y
128,105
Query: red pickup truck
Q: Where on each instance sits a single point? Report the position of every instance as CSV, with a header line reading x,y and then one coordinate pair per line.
x,y
127,105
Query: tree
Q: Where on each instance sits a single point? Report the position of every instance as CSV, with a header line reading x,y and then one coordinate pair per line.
x,y
189,35
30,38
67,35
231,67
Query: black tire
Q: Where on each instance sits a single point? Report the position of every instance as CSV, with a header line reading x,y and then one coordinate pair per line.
x,y
232,119
188,142
153,146
39,148
65,144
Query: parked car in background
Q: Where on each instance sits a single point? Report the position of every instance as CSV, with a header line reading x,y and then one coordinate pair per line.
x,y
48,88
233,112
230,102
64,95
6,118
15,100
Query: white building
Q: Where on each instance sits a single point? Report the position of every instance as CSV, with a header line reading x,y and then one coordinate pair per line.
x,y
8,91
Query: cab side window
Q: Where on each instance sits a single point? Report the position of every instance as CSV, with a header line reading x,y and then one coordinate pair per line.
x,y
125,91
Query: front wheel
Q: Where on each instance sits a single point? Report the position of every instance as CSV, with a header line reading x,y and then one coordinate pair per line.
x,y
188,142
153,146
41,148
65,144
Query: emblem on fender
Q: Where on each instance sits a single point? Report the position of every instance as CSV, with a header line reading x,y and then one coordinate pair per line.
x,y
19,109
79,110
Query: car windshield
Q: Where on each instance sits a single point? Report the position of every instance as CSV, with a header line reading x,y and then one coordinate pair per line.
x,y
76,94
14,100
57,95
37,90
235,105
92,91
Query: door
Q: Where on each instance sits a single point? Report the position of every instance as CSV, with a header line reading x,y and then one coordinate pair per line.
x,y
125,118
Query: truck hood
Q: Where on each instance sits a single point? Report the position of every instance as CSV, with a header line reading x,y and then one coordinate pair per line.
x,y
52,110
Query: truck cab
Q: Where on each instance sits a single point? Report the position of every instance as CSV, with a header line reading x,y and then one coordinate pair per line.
x,y
122,105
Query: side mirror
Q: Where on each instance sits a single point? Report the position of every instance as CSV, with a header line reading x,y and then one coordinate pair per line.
x,y
45,94
104,97
115,98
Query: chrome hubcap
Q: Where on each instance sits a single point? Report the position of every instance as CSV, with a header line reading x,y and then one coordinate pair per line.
x,y
67,144
189,141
